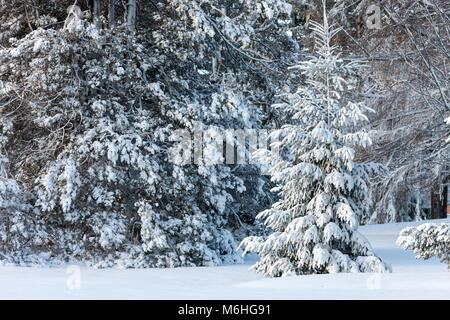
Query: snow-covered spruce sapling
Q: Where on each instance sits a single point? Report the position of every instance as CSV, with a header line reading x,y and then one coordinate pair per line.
x,y
427,240
323,191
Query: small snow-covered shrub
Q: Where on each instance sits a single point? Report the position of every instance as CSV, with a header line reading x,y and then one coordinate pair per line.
x,y
427,240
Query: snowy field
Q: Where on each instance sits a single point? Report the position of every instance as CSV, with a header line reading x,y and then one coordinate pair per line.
x,y
410,279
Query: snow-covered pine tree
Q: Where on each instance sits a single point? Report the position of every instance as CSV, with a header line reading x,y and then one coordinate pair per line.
x,y
88,116
427,240
100,167
323,191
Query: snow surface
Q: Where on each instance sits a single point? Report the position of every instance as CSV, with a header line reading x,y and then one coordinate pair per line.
x,y
411,279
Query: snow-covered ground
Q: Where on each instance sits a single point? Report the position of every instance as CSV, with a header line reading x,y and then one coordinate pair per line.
x,y
410,279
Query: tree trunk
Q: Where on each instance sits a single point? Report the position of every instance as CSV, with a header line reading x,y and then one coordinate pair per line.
x,y
97,13
439,202
444,201
131,14
112,13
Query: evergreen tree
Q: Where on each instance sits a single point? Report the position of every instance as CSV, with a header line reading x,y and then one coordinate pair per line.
x,y
94,139
323,190
88,116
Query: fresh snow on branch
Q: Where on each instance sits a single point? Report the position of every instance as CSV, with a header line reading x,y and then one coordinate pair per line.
x,y
427,240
